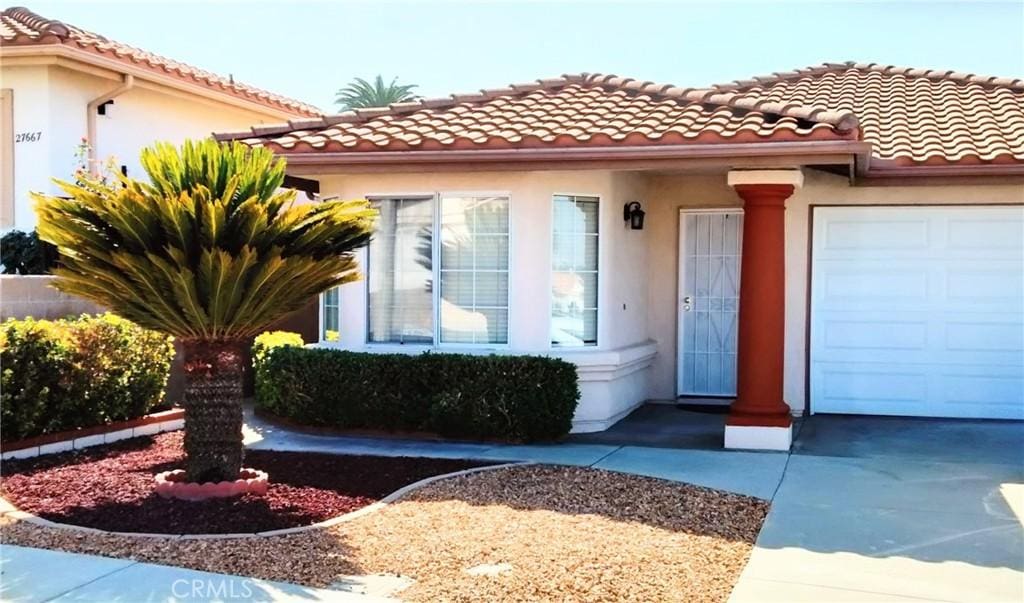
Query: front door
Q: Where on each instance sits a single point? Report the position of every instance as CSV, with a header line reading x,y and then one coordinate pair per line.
x,y
709,296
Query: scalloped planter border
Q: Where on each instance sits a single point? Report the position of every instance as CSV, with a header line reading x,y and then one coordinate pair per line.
x,y
9,510
172,484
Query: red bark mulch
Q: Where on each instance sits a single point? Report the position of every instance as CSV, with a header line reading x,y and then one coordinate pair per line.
x,y
110,487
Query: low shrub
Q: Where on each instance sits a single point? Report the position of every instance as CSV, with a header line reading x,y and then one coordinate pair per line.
x,y
516,398
65,374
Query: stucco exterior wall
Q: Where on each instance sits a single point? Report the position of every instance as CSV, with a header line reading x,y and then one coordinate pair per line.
x,y
166,117
621,316
22,296
52,100
636,358
613,373
30,85
669,194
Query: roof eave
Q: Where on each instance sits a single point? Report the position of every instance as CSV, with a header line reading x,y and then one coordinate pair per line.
x,y
941,173
91,59
840,152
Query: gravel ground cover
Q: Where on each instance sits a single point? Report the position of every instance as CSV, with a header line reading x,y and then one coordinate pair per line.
x,y
529,533
111,488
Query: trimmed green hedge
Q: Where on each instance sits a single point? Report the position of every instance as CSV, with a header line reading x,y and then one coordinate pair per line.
x,y
516,398
65,374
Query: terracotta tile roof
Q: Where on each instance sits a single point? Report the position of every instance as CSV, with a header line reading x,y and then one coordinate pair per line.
x,y
570,111
910,116
21,27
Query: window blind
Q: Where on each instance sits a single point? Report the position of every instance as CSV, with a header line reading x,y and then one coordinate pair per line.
x,y
474,269
400,272
574,271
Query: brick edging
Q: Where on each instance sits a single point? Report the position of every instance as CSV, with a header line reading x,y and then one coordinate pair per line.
x,y
63,441
9,511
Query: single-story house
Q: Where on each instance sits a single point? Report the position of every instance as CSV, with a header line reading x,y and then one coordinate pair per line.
x,y
61,85
846,238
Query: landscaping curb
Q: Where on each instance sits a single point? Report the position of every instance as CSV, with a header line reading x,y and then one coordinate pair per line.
x,y
9,510
64,441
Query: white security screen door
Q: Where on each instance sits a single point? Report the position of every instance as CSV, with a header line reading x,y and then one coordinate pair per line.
x,y
918,311
709,297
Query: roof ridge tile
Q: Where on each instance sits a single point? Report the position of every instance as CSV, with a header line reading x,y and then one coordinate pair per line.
x,y
917,72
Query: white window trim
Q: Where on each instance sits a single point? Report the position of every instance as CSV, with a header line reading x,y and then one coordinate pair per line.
x,y
321,320
596,347
436,199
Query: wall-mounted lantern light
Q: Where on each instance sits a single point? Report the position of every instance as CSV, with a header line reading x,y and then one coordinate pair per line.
x,y
632,213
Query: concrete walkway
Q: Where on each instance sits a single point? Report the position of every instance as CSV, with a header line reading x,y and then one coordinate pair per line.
x,y
29,575
863,509
752,473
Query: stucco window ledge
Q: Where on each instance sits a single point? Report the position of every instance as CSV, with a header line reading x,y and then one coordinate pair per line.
x,y
612,383
604,365
411,349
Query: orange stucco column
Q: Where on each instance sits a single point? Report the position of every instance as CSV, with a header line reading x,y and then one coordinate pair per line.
x,y
762,308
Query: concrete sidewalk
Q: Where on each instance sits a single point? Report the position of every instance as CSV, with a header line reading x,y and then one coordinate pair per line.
x,y
29,575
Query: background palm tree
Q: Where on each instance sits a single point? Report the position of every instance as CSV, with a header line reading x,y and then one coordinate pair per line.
x,y
210,251
361,93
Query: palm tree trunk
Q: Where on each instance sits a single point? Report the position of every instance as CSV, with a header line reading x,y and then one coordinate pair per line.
x,y
213,409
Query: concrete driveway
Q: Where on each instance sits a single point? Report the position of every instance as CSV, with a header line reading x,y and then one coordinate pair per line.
x,y
887,509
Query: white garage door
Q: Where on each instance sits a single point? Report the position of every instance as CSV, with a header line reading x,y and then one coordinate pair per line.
x,y
918,311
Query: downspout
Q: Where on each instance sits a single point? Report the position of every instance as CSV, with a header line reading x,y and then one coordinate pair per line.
x,y
90,118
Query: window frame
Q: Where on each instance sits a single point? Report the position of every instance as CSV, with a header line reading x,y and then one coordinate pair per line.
x,y
436,199
322,318
587,347
433,275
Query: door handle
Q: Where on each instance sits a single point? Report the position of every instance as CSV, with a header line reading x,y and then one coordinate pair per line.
x,y
687,301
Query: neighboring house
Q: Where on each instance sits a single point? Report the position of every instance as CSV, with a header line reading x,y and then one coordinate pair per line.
x,y
846,238
60,84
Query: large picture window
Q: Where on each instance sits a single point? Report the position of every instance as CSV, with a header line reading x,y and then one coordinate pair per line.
x,y
468,263
574,271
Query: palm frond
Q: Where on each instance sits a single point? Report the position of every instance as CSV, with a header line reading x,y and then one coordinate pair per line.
x,y
209,248
362,94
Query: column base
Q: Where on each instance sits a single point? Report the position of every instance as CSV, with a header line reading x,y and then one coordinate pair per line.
x,y
758,437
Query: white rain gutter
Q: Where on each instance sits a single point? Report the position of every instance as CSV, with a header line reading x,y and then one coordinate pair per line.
x,y
90,118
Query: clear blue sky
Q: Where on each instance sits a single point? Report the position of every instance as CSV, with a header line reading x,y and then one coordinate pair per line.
x,y
308,50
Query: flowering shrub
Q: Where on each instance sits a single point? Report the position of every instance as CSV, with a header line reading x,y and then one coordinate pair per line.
x,y
66,374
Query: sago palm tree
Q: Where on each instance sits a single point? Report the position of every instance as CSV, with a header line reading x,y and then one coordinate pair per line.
x,y
361,93
211,251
